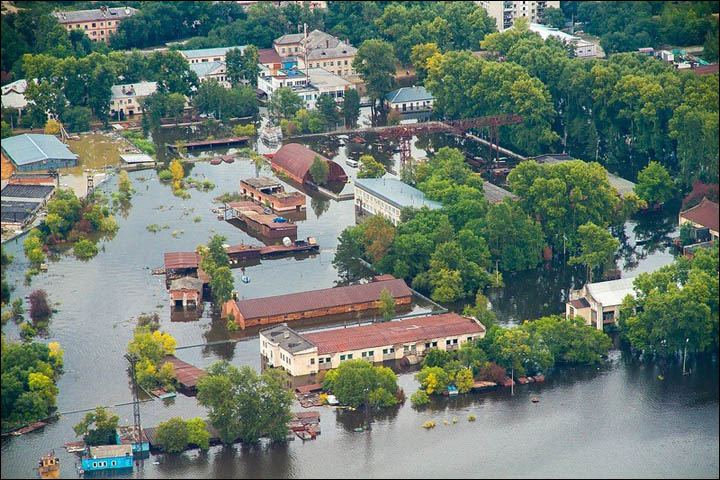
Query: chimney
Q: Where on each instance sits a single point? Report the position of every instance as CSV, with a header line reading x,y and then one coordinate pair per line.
x,y
127,11
327,43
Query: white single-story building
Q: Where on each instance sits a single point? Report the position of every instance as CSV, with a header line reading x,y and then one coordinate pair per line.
x,y
410,99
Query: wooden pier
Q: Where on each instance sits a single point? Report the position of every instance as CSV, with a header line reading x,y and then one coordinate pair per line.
x,y
220,142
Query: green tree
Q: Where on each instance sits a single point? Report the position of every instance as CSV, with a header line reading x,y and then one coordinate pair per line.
x,y
375,63
554,17
350,109
85,249
597,247
221,284
355,381
505,220
327,107
464,380
105,423
173,435
570,340
522,352
370,168
419,398
654,184
197,433
6,130
319,170
348,253
386,305
433,379
175,105
419,57
284,103
77,119
172,73
710,47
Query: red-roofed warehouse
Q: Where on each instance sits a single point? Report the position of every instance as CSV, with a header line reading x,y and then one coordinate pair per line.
x,y
295,161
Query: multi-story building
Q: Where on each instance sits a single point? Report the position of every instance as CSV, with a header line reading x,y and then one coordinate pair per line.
x,y
126,99
583,48
387,197
320,81
505,13
99,24
308,353
318,50
211,70
208,54
599,303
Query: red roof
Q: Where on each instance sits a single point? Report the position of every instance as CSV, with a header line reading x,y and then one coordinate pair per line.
x,y
296,159
705,69
181,260
704,213
316,299
269,55
393,333
186,374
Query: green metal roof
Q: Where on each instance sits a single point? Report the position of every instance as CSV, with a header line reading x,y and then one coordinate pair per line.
x,y
33,147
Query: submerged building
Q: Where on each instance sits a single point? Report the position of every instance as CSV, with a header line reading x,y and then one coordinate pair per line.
x,y
308,353
599,303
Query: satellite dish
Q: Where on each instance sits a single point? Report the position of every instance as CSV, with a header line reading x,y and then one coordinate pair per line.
x,y
286,241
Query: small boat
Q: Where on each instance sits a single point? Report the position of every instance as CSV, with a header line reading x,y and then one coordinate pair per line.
x,y
358,140
358,429
535,399
351,163
75,447
43,267
228,159
245,279
49,466
215,161
452,390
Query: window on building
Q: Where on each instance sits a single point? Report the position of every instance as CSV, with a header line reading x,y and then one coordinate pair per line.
x,y
427,344
321,360
93,25
349,356
312,361
406,348
447,342
327,360
113,463
608,316
434,344
469,339
371,353
94,464
342,357
385,351
455,340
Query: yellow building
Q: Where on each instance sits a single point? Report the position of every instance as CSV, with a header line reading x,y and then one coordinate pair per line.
x,y
307,354
319,50
99,24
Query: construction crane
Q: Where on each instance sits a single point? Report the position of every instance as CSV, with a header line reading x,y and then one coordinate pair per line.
x,y
493,123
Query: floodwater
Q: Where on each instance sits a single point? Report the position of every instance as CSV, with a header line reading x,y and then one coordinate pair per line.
x,y
616,421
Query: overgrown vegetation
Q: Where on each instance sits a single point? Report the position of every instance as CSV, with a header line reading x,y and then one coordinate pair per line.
x,y
151,346
358,382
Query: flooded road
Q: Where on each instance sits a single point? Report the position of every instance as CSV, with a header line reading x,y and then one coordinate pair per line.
x,y
618,421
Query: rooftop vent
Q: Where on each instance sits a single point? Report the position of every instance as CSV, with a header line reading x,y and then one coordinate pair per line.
x,y
286,335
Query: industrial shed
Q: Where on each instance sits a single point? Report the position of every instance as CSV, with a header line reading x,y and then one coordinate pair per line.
x,y
295,160
32,151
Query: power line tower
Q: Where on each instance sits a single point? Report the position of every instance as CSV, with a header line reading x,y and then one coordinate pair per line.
x,y
138,435
90,185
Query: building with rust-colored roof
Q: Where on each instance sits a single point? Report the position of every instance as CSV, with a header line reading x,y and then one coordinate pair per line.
x,y
295,161
702,215
307,354
315,303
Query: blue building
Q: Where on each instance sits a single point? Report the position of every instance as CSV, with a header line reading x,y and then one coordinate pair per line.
x,y
127,436
32,151
108,457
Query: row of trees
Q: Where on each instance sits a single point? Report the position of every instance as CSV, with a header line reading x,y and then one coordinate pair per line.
x,y
288,108
528,349
623,112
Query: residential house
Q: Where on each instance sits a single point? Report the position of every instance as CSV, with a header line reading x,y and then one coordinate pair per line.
x,y
703,215
387,197
599,303
98,24
308,353
126,99
505,13
13,96
410,99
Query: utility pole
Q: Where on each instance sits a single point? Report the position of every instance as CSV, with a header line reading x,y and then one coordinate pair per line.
x,y
307,68
133,360
685,356
512,382
497,273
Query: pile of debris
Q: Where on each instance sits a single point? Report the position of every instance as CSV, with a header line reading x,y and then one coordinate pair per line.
x,y
306,425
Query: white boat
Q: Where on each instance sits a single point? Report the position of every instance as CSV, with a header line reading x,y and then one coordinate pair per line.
x,y
352,163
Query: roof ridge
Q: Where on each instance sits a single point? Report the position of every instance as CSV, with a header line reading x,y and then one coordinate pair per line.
x,y
29,137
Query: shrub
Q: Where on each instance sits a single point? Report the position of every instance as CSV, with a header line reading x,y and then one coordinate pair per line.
x,y
84,249
165,175
429,424
27,332
419,398
40,309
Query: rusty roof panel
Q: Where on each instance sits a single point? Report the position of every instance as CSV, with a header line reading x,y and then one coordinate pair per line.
x,y
316,299
393,333
181,260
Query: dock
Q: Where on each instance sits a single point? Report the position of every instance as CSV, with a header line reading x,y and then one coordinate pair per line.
x,y
254,217
220,142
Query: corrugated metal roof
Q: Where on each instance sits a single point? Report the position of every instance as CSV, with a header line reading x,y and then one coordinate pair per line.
x,y
269,55
136,158
297,159
396,192
34,147
17,212
611,292
206,68
209,52
409,94
110,451
705,213
393,333
181,260
140,89
114,13
27,191
186,374
316,299
495,194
